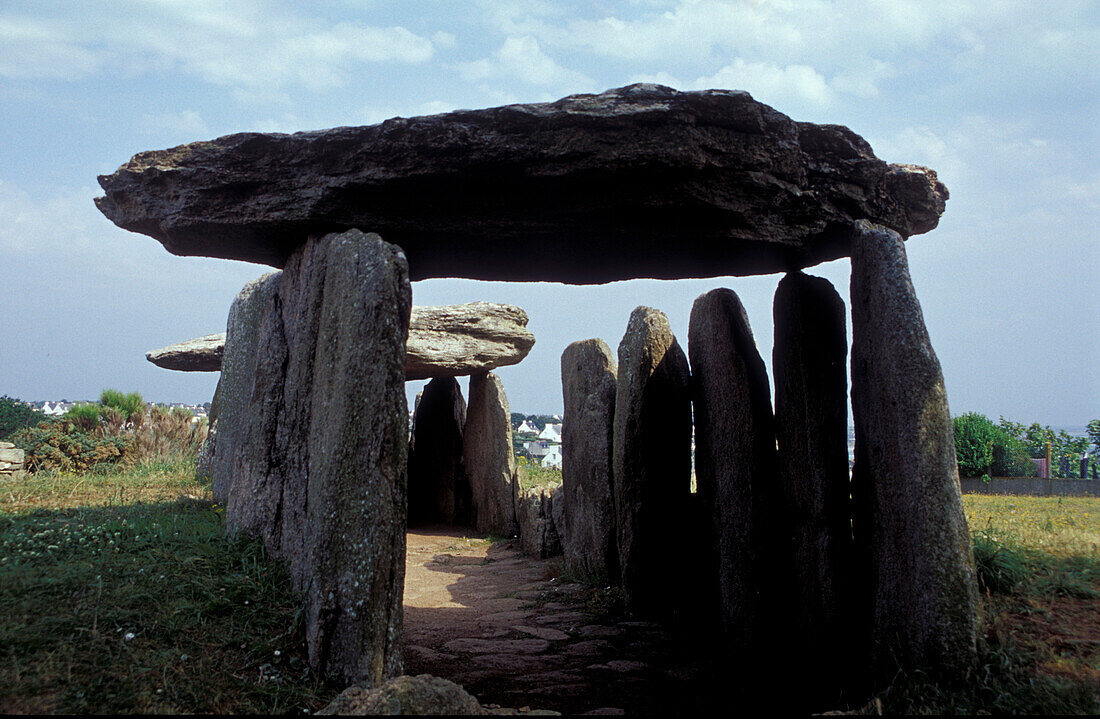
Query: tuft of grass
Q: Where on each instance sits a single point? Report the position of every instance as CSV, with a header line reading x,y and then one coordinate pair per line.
x,y
115,604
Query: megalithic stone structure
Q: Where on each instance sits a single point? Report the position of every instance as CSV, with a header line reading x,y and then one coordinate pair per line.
x,y
651,465
489,457
735,468
809,361
914,552
588,380
438,488
318,459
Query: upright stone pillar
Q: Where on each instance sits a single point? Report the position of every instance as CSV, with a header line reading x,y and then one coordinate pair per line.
x,y
588,380
489,458
735,466
811,419
438,488
651,465
321,473
911,536
234,395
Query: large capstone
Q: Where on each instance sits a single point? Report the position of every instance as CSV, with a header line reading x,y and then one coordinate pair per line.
x,y
489,458
438,488
588,380
651,463
811,419
639,181
318,467
202,354
912,541
447,341
735,467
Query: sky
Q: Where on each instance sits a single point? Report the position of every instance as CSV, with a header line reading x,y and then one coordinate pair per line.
x,y
1001,99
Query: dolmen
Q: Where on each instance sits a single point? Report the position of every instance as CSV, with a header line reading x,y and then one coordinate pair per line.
x,y
637,182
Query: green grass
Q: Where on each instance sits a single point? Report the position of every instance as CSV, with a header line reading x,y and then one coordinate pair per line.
x,y
118,595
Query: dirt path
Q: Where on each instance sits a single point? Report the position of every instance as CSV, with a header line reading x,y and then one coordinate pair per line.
x,y
499,624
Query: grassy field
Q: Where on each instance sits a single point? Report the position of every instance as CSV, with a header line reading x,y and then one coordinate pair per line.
x,y
119,593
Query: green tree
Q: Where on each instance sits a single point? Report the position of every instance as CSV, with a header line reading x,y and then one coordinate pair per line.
x,y
975,435
1094,433
16,414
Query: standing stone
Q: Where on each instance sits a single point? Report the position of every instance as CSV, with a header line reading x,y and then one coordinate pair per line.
x,y
735,466
488,455
438,489
588,380
539,537
811,418
238,372
651,464
910,530
321,474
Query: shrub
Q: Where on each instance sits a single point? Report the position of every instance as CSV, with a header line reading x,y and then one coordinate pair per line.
x,y
131,405
64,446
84,417
975,435
15,415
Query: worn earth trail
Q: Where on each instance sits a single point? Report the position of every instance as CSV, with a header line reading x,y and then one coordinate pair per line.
x,y
507,629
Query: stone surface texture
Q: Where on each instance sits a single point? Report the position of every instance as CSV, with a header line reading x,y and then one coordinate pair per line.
x,y
234,393
651,462
456,340
735,467
438,488
447,341
912,542
709,183
202,354
538,535
809,360
488,455
588,379
12,461
419,695
321,472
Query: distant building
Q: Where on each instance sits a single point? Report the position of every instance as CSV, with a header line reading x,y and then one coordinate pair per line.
x,y
525,428
551,432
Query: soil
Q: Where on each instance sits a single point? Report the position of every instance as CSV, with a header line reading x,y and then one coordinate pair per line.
x,y
506,628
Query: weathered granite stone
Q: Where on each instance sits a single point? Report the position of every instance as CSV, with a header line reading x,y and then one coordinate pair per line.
x,y
651,462
588,380
456,340
238,372
419,695
204,461
202,354
438,488
488,456
735,466
912,542
12,455
538,536
447,341
709,183
811,421
321,472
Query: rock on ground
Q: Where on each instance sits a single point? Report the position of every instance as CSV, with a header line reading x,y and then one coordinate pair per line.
x,y
321,474
912,542
638,181
488,455
588,378
811,419
735,468
422,694
202,354
651,464
538,535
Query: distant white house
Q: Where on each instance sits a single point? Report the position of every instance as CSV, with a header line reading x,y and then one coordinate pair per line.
x,y
525,428
53,410
537,448
551,432
552,458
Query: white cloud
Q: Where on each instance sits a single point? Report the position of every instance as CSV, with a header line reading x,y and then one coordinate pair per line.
x,y
793,89
521,58
244,46
184,125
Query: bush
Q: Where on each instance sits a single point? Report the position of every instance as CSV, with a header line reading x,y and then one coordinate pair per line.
x,y
131,405
15,415
975,435
84,417
63,446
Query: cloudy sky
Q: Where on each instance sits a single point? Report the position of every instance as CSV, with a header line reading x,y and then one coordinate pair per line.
x,y
1002,99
